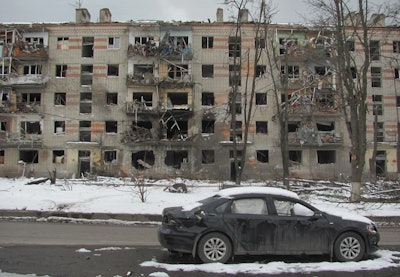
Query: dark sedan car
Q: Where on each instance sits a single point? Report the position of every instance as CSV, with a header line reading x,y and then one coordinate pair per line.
x,y
263,220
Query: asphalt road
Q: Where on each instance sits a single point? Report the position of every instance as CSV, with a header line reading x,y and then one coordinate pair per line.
x,y
55,249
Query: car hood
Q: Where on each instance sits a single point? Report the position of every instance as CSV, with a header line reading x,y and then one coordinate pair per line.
x,y
349,216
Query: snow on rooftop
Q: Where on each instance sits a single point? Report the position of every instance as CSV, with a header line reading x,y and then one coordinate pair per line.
x,y
255,190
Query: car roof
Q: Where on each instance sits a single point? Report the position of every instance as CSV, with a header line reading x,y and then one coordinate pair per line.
x,y
229,192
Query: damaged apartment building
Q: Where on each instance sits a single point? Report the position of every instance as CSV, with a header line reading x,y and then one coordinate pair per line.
x,y
151,99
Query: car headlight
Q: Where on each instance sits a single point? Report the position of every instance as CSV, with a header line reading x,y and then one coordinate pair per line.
x,y
371,229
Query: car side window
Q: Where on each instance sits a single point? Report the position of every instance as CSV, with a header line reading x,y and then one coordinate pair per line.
x,y
290,208
249,206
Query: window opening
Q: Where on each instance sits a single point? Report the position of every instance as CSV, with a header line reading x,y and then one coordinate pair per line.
x,y
176,158
110,156
112,127
326,156
207,42
207,156
143,159
262,156
207,99
60,99
29,156
207,126
87,47
58,156
112,98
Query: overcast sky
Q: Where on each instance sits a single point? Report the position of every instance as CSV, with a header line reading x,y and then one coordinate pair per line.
x,y
38,11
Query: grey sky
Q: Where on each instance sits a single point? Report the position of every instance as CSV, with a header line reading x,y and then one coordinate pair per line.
x,y
39,11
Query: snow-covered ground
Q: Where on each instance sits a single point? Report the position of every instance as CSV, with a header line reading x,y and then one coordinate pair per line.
x,y
116,196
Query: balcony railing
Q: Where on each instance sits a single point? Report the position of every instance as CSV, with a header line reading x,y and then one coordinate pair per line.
x,y
20,140
312,137
15,79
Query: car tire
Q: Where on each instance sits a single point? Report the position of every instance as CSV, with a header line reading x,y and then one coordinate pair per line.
x,y
214,248
349,247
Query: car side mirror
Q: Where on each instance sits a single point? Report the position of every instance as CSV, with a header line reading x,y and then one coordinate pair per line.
x,y
317,215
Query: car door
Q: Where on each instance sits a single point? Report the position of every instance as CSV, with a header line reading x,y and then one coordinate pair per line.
x,y
247,220
299,229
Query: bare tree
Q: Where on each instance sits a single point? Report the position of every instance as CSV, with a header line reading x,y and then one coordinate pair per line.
x,y
261,19
350,26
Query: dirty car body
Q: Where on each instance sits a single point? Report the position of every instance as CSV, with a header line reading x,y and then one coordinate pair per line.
x,y
259,221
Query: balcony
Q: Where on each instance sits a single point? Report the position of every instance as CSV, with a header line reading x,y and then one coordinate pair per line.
x,y
136,107
21,141
311,137
24,51
24,80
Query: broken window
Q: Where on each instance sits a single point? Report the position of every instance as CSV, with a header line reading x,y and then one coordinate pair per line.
x,y
321,70
176,158
32,69
85,131
60,99
238,130
34,40
145,98
112,98
325,126
178,100
262,156
292,127
87,47
85,103
1,156
253,206
295,156
376,77
30,127
234,46
59,127
287,44
261,127
207,99
112,127
29,156
143,40
377,106
207,156
396,46
374,50
207,126
110,156
325,100
61,70
290,71
380,132
381,163
58,156
259,43
3,126
350,45
143,159
31,98
326,156
261,70
177,71
207,71
353,72
114,42
112,70
261,98
235,78
63,43
177,129
86,75
397,73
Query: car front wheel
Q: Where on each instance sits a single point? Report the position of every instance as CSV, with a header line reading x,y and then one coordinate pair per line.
x,y
214,247
349,247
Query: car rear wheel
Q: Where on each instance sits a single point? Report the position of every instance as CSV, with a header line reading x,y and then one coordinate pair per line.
x,y
349,247
214,247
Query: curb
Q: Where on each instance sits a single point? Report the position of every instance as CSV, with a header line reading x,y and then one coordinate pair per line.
x,y
88,216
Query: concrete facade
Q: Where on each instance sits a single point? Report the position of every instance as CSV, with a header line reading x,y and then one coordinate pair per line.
x,y
152,99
